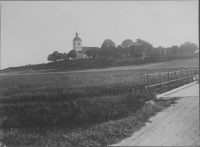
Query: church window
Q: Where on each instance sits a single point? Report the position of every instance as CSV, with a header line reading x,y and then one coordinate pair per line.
x,y
74,43
78,43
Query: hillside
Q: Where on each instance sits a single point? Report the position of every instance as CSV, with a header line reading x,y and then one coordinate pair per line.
x,y
101,63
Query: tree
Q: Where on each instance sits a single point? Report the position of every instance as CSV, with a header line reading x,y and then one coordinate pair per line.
x,y
169,50
124,49
135,49
65,56
92,52
89,53
72,54
108,43
188,47
107,49
124,52
127,43
132,50
174,49
95,52
49,58
144,46
60,56
55,56
194,47
139,41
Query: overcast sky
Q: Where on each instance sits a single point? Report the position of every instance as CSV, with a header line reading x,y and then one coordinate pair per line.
x,y
30,31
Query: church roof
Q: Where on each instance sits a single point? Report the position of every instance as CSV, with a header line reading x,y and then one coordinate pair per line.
x,y
84,49
77,38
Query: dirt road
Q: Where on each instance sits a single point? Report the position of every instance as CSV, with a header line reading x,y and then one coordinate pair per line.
x,y
177,125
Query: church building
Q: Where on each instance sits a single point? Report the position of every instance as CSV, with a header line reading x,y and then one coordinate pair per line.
x,y
77,46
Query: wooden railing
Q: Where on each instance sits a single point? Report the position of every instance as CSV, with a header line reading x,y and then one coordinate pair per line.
x,y
194,76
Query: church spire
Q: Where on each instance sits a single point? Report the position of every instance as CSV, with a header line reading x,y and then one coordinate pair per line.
x,y
77,38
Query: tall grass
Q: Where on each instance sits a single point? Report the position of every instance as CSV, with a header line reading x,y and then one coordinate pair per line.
x,y
75,101
56,99
67,98
100,134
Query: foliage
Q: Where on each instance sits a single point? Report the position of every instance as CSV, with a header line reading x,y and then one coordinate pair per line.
x,y
144,46
174,50
55,56
126,49
107,51
72,54
49,58
127,43
65,56
124,52
107,43
92,52
187,47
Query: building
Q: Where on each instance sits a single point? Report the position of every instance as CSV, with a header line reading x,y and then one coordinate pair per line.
x,y
77,46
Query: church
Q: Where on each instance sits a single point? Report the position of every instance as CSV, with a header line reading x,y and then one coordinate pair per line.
x,y
77,46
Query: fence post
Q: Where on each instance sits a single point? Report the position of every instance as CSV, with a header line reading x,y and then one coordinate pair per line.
x,y
169,81
192,75
160,83
182,76
187,77
176,79
148,86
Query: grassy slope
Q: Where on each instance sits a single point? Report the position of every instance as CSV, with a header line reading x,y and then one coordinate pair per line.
x,y
181,63
97,135
37,91
84,64
164,64
106,82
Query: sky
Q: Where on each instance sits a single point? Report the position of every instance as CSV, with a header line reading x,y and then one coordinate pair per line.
x,y
31,30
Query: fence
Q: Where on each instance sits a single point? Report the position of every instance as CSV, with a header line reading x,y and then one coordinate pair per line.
x,y
194,74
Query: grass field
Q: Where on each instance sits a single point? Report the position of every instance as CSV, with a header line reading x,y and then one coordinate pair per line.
x,y
79,102
100,134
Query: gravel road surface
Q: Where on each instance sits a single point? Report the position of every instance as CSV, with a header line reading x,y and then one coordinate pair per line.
x,y
178,125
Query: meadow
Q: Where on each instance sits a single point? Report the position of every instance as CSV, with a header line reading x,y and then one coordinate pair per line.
x,y
75,101
52,99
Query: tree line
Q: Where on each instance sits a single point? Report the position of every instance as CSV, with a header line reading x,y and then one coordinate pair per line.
x,y
62,56
128,48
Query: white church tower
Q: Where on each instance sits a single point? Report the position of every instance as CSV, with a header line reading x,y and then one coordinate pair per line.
x,y
77,46
77,43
